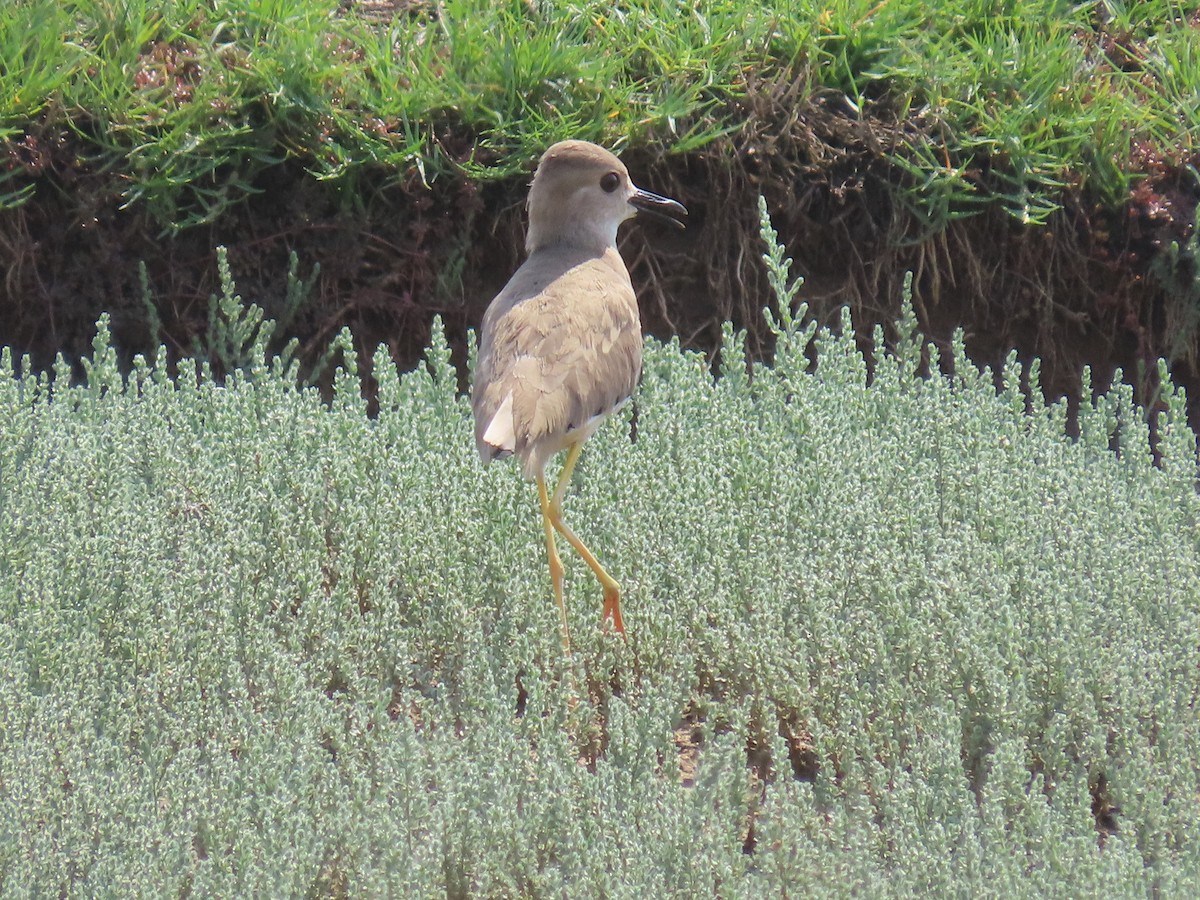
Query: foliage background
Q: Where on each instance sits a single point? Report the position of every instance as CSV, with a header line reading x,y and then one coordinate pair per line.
x,y
1032,162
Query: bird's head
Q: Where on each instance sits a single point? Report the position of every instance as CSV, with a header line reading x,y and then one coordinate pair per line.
x,y
581,193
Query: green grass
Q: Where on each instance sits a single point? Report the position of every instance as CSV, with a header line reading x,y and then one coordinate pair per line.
x,y
254,643
185,104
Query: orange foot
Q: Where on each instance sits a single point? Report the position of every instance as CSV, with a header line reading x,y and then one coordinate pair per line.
x,y
612,610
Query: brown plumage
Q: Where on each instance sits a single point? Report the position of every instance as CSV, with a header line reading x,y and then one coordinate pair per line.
x,y
561,345
558,379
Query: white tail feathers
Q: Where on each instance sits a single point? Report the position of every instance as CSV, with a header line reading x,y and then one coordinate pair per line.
x,y
499,436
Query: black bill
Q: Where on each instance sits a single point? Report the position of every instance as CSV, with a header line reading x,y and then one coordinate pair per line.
x,y
660,207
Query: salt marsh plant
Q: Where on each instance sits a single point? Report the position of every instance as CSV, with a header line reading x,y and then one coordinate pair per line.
x,y
890,633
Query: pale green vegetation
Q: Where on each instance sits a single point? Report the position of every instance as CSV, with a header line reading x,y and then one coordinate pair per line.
x,y
256,644
183,104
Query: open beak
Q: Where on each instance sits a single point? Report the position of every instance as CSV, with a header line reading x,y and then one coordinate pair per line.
x,y
659,207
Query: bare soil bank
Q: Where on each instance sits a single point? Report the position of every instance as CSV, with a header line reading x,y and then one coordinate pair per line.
x,y
1096,286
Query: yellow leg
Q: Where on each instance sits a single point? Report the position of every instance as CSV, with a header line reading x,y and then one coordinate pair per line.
x,y
612,591
564,477
556,567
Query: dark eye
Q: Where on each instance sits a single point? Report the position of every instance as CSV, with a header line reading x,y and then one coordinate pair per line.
x,y
609,182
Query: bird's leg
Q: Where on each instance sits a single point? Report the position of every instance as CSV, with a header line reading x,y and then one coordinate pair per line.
x,y
556,567
564,477
612,591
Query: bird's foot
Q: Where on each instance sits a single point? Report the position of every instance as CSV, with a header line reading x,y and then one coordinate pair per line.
x,y
612,609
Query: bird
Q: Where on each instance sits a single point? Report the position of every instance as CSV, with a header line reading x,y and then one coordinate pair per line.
x,y
560,347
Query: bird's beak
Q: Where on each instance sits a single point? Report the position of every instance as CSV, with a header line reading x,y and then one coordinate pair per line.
x,y
659,207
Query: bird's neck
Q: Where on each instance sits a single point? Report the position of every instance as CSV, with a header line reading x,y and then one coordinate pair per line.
x,y
575,232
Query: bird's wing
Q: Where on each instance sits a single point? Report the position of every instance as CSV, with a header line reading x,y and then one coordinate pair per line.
x,y
560,346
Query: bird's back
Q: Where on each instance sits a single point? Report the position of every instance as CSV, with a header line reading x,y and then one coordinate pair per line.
x,y
560,348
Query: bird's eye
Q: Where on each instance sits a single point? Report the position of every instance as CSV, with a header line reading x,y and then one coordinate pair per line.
x,y
609,182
